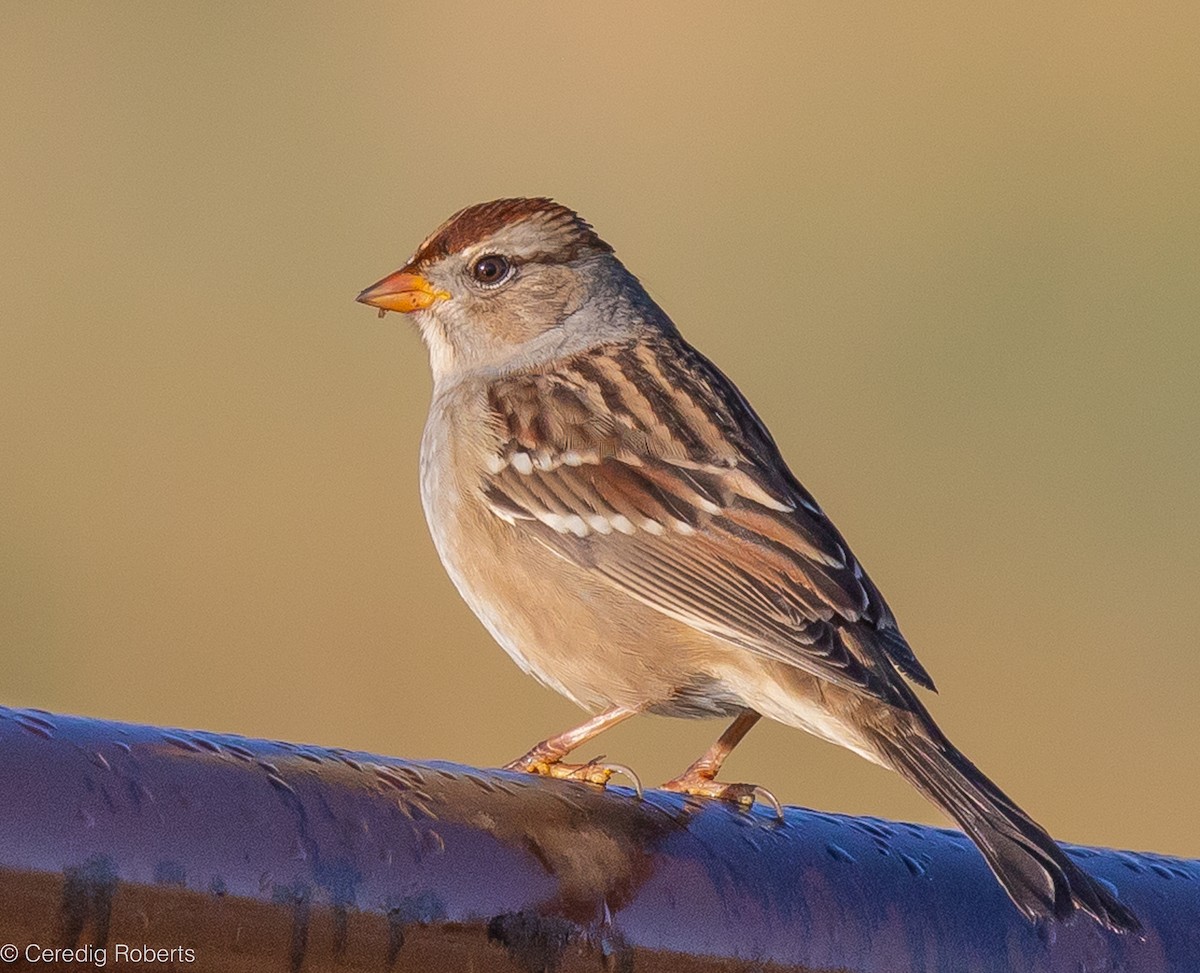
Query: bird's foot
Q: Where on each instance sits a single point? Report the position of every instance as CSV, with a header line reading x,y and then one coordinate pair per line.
x,y
593,772
700,785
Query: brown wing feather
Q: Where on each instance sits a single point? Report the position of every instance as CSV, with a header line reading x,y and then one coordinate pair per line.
x,y
643,463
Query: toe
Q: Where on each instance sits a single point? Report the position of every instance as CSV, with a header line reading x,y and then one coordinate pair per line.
x,y
596,772
745,795
593,772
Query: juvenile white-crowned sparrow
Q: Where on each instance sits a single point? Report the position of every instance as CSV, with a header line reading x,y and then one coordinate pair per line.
x,y
620,519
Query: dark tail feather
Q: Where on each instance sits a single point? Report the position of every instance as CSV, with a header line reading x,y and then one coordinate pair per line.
x,y
1034,870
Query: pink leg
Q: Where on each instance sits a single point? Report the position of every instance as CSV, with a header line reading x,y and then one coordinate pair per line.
x,y
546,758
699,781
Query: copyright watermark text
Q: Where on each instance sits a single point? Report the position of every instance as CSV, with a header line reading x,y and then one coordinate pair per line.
x,y
129,953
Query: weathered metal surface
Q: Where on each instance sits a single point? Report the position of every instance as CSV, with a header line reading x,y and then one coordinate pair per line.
x,y
261,856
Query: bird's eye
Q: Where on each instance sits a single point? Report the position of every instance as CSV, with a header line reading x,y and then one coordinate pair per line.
x,y
491,270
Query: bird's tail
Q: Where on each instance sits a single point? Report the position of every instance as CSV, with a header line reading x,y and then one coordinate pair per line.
x,y
1035,872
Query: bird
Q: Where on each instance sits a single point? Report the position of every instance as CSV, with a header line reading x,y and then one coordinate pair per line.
x,y
619,518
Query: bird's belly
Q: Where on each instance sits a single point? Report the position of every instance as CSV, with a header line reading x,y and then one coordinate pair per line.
x,y
796,698
599,647
586,639
568,629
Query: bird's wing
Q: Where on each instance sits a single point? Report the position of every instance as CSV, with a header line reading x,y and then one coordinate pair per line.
x,y
644,464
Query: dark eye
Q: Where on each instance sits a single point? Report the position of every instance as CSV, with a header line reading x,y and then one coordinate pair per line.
x,y
491,269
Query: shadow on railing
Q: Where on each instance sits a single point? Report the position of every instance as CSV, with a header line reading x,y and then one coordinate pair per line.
x,y
248,855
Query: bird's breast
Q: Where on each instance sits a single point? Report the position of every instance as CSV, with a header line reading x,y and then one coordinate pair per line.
x,y
559,621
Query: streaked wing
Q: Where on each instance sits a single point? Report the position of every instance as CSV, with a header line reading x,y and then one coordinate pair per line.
x,y
643,463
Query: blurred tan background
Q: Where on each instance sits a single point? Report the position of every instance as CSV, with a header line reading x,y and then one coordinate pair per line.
x,y
951,256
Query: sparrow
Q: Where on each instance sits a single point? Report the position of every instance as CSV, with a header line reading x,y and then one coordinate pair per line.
x,y
619,518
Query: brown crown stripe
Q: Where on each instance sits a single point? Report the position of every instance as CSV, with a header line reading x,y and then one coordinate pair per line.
x,y
479,222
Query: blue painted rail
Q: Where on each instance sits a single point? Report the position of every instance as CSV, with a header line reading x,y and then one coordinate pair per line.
x,y
250,855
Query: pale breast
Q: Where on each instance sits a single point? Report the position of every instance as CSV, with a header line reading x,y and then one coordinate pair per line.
x,y
567,628
483,564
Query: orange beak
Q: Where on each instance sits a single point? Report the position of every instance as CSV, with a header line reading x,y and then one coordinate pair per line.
x,y
402,292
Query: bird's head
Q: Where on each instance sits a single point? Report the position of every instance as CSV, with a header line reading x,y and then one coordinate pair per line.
x,y
500,284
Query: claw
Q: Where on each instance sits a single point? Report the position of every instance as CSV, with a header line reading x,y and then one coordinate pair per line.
x,y
612,768
744,795
593,772
764,795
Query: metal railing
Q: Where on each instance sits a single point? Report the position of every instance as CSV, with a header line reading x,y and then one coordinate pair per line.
x,y
237,854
